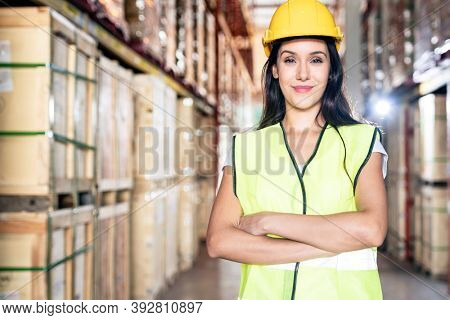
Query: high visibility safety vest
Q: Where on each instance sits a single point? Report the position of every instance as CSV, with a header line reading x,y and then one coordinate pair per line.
x,y
266,177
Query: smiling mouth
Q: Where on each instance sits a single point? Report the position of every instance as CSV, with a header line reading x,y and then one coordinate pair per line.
x,y
302,89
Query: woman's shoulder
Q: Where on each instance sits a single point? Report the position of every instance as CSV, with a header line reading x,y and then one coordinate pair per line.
x,y
255,131
361,132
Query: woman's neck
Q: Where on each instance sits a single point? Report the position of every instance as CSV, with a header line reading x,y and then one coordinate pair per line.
x,y
299,121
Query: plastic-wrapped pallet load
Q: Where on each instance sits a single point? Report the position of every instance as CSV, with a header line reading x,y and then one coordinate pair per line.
x,y
50,265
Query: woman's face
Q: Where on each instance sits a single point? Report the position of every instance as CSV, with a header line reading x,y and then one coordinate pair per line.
x,y
302,67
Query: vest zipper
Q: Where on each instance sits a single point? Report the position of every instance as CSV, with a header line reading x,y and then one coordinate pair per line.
x,y
300,175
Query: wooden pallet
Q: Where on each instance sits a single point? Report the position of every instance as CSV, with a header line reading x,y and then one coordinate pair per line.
x,y
113,246
188,223
115,123
64,271
148,255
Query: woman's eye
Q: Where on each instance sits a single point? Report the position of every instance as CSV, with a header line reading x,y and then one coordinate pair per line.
x,y
289,60
317,60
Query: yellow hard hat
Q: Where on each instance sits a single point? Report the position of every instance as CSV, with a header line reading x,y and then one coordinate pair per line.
x,y
301,18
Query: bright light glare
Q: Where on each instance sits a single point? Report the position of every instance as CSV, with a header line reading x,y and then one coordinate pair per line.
x,y
382,107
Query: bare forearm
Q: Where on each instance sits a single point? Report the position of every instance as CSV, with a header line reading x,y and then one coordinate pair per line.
x,y
340,232
237,245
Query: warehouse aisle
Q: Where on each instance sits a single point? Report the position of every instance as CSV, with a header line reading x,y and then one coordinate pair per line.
x,y
219,279
209,279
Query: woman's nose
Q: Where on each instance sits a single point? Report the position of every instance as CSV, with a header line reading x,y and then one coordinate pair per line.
x,y
302,71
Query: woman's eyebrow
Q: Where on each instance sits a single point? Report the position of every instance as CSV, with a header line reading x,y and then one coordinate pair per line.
x,y
316,52
287,51
311,53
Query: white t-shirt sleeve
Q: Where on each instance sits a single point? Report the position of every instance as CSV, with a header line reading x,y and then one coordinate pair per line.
x,y
229,156
378,147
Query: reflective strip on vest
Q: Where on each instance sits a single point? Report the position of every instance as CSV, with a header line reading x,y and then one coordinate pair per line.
x,y
266,177
365,259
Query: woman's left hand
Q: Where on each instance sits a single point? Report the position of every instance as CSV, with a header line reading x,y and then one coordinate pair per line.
x,y
254,224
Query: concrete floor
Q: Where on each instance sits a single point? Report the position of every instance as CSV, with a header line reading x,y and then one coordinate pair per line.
x,y
218,279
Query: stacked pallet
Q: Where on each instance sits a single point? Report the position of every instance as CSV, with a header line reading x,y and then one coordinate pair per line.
x,y
153,258
27,133
113,14
205,145
115,180
167,33
431,251
141,17
200,40
148,237
206,168
188,187
206,195
147,220
430,31
115,126
188,220
46,165
112,245
185,137
55,260
167,149
396,181
211,54
84,111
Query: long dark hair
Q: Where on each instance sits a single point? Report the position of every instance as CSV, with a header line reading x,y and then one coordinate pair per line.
x,y
334,105
334,108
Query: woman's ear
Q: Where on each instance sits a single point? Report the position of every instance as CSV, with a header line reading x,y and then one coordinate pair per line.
x,y
275,71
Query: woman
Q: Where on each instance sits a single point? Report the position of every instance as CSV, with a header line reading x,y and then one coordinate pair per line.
x,y
303,204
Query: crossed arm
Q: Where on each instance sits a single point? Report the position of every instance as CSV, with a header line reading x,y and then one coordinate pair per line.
x,y
243,239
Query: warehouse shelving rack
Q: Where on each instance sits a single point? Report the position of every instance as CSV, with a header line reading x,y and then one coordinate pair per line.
x,y
426,71
69,203
79,208
123,51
